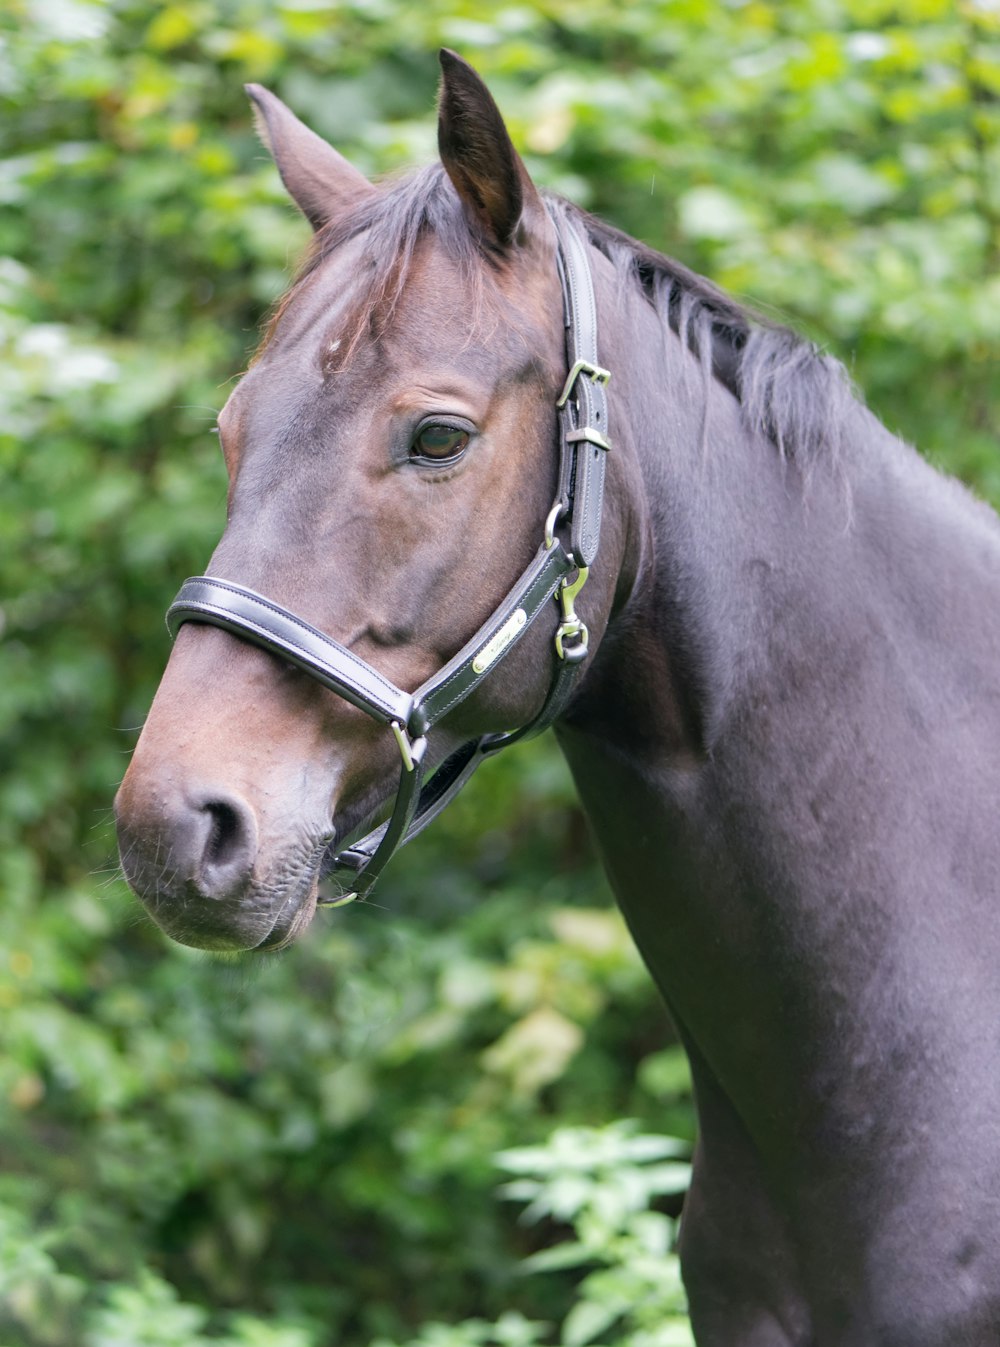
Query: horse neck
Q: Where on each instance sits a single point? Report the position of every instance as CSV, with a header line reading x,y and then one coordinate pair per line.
x,y
704,513
767,706
737,560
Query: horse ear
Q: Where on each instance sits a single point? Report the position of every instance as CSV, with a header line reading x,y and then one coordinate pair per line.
x,y
319,180
479,157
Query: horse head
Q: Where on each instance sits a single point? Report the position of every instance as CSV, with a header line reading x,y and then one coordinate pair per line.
x,y
392,463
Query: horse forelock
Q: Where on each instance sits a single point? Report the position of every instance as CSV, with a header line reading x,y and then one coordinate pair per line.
x,y
394,225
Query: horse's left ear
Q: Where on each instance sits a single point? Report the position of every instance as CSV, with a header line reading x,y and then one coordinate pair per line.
x,y
499,197
319,180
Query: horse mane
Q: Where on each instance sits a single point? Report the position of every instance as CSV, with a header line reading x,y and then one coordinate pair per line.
x,y
787,387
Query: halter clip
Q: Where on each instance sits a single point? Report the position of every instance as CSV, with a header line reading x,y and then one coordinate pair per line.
x,y
572,627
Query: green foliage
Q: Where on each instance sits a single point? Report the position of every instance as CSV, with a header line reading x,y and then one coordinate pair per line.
x,y
299,1152
602,1184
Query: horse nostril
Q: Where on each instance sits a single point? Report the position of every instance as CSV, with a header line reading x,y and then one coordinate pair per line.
x,y
224,837
229,848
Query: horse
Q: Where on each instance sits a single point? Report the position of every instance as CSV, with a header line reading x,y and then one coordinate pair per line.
x,y
776,681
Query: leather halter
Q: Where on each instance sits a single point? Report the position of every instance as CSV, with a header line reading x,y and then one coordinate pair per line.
x,y
558,570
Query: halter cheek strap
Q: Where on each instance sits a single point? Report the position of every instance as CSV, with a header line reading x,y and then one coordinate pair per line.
x,y
558,570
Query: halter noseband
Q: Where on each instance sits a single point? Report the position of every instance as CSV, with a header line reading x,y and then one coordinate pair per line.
x,y
558,570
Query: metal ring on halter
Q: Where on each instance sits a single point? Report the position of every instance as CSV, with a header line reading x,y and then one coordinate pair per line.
x,y
552,519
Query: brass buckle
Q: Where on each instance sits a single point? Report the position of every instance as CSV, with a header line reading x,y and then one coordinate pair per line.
x,y
590,435
340,901
592,371
411,750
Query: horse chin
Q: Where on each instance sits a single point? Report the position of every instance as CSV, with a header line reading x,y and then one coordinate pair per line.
x,y
290,926
260,921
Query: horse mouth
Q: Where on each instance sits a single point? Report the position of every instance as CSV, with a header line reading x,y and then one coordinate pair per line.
x,y
265,919
292,920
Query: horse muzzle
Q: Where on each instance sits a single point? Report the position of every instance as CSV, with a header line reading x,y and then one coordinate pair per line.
x,y
194,861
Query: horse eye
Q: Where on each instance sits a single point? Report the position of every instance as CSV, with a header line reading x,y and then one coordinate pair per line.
x,y
440,442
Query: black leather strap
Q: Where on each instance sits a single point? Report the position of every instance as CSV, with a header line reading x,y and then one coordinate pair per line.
x,y
245,613
362,863
583,447
583,410
240,610
435,795
465,671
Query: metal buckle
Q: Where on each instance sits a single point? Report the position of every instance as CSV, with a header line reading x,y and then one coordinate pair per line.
x,y
572,627
342,901
591,436
592,371
411,750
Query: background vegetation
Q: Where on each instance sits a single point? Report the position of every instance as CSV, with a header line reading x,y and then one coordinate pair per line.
x,y
302,1151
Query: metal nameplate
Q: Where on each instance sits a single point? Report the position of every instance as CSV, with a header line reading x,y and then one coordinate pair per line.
x,y
497,644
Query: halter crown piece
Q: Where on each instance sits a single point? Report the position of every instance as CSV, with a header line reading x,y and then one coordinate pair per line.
x,y
558,571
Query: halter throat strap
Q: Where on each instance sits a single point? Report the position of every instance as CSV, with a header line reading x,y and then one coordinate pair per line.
x,y
557,571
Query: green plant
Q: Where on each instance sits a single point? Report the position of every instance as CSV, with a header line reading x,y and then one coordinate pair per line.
x,y
601,1183
304,1148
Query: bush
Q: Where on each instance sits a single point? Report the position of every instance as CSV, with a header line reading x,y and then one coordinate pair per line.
x,y
299,1152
